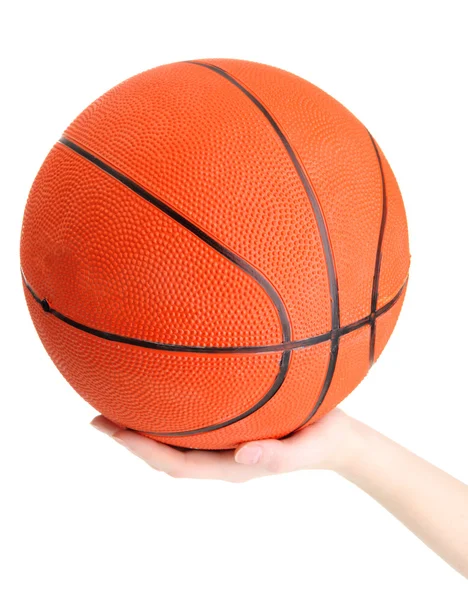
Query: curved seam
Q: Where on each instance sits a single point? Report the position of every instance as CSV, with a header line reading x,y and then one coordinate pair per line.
x,y
321,224
284,362
294,155
163,347
279,379
334,334
234,258
378,258
261,280
304,178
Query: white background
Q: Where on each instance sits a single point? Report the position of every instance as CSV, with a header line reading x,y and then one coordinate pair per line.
x,y
83,518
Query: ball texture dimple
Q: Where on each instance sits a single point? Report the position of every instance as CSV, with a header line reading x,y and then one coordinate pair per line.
x,y
107,271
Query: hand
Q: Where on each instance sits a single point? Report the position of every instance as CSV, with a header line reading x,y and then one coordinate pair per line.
x,y
428,501
326,444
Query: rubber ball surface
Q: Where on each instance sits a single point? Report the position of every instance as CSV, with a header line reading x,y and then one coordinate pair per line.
x,y
215,251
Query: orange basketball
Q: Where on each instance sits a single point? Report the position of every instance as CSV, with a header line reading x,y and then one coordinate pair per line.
x,y
215,252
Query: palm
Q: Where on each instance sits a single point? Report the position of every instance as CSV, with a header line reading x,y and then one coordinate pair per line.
x,y
317,446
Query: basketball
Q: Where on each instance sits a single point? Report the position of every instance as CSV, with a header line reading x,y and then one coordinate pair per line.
x,y
216,251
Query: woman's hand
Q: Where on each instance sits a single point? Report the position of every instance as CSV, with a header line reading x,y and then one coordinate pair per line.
x,y
431,503
327,444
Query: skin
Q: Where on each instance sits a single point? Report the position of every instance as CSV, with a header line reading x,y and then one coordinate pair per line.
x,y
428,501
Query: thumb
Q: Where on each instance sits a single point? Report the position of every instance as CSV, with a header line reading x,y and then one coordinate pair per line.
x,y
272,455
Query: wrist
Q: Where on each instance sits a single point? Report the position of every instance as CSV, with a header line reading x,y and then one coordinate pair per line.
x,y
353,447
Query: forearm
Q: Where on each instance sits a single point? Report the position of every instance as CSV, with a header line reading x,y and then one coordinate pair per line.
x,y
431,503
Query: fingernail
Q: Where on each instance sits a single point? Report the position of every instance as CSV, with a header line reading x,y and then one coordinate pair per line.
x,y
249,455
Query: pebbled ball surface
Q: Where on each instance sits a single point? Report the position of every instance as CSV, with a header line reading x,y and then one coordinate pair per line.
x,y
105,257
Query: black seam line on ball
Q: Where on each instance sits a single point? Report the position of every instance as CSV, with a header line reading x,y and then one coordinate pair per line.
x,y
320,220
239,262
284,365
317,209
284,362
279,379
284,347
378,259
334,347
234,258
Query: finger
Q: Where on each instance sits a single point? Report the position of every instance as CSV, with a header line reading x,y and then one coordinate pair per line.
x,y
275,456
195,464
161,459
157,455
219,465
